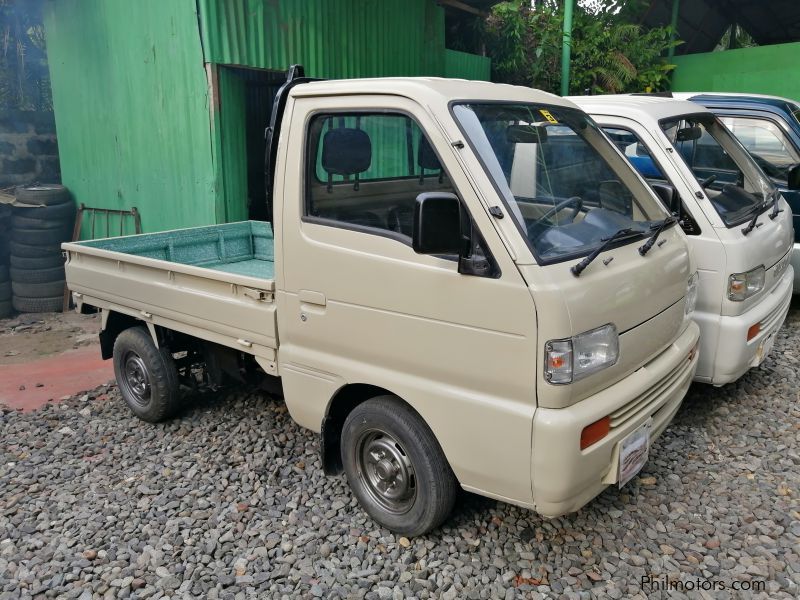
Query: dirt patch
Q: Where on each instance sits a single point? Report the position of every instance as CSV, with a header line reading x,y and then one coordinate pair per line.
x,y
31,336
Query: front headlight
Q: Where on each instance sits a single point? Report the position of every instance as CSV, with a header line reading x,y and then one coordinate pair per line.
x,y
691,295
581,355
743,285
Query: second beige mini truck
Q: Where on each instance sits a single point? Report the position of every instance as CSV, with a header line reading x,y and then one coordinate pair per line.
x,y
444,310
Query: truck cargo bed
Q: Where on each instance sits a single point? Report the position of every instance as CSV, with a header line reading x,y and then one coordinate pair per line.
x,y
214,283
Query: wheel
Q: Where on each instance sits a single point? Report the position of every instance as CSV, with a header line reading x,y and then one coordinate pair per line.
x,y
47,289
43,223
20,250
42,195
146,375
55,212
38,305
41,237
37,275
46,262
395,467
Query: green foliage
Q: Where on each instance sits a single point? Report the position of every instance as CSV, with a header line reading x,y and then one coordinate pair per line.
x,y
609,53
24,76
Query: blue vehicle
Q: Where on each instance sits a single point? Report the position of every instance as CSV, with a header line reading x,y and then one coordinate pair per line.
x,y
769,127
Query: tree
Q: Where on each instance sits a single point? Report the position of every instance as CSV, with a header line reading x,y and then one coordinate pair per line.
x,y
610,52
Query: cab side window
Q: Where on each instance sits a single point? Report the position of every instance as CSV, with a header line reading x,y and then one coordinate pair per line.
x,y
365,170
636,152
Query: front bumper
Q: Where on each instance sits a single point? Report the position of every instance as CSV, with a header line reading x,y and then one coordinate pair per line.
x,y
566,477
795,262
734,355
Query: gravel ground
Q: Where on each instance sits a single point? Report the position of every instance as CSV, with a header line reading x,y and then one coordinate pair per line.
x,y
229,501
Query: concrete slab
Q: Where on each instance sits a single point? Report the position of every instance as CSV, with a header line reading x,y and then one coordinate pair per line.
x,y
30,385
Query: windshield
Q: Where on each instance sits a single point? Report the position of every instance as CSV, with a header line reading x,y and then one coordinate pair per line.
x,y
562,181
767,143
733,182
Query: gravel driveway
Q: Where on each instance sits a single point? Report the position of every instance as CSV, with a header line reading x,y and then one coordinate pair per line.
x,y
229,501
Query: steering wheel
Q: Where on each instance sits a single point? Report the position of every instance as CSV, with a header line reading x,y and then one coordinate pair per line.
x,y
704,183
576,200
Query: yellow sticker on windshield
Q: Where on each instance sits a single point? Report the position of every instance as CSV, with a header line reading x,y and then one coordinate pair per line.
x,y
546,114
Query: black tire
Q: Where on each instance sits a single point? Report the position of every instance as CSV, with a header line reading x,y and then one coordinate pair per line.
x,y
42,195
424,488
38,305
20,250
5,309
146,376
56,212
37,275
38,290
64,224
5,291
46,262
41,237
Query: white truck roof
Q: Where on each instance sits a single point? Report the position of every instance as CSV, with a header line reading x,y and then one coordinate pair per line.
x,y
647,107
430,89
689,95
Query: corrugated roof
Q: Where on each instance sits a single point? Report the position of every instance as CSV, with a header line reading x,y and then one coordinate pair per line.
x,y
701,23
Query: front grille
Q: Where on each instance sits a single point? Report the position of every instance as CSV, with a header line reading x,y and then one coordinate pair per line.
x,y
650,400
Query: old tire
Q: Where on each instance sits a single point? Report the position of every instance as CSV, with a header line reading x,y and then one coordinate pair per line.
x,y
146,376
38,290
45,262
41,237
55,212
5,291
42,195
38,305
5,309
20,250
43,223
37,275
395,467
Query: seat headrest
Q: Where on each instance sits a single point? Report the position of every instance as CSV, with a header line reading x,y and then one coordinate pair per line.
x,y
346,151
426,157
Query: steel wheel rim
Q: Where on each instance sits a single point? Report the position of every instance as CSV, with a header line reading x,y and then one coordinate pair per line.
x,y
135,379
387,471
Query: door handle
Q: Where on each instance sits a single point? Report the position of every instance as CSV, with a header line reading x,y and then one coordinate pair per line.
x,y
311,297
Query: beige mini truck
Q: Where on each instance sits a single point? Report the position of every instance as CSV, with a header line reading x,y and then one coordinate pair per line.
x,y
441,316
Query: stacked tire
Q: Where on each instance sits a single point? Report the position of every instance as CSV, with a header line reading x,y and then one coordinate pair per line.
x,y
5,281
43,218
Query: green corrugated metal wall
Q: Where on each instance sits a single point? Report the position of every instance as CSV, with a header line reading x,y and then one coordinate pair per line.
x,y
331,38
467,66
773,70
131,107
136,122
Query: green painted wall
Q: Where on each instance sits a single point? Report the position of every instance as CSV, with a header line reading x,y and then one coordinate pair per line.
x,y
771,70
331,38
132,109
232,144
462,65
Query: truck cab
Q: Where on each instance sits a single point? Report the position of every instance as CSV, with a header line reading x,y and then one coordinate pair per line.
x,y
739,225
769,128
441,313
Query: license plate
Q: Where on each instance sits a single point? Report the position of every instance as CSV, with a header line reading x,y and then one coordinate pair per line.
x,y
633,451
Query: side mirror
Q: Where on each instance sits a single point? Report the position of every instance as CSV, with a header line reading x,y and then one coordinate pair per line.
x,y
437,224
668,196
793,177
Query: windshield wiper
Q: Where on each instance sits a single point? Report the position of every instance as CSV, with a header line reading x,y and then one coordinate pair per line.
x,y
776,196
658,228
754,221
619,234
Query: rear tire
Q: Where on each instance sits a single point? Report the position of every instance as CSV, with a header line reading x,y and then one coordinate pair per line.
x,y
146,375
395,467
